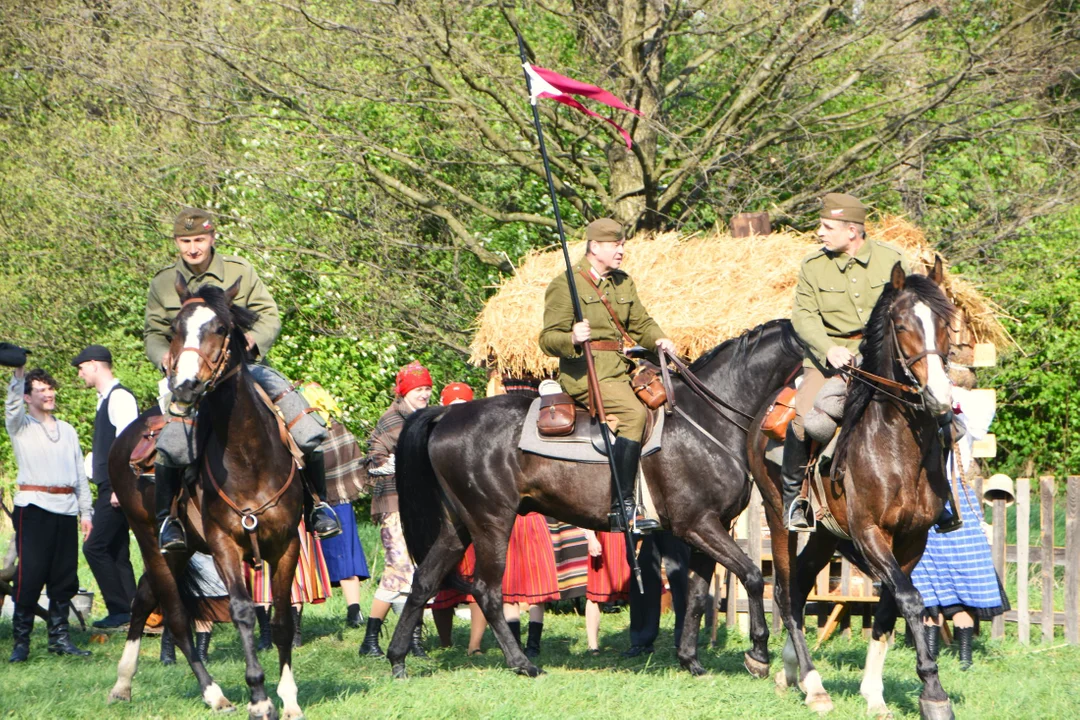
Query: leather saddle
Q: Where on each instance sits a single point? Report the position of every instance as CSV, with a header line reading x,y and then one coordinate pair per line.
x,y
562,420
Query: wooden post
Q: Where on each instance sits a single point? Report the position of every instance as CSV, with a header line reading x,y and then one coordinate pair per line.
x,y
752,223
845,590
1072,561
1046,534
1023,514
997,626
753,532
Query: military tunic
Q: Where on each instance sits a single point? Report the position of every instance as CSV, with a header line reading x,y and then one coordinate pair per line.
x,y
163,303
612,367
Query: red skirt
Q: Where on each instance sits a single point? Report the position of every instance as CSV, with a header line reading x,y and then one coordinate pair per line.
x,y
530,563
451,597
609,573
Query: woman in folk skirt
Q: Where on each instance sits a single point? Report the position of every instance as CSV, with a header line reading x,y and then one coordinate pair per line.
x,y
956,575
442,607
608,580
530,577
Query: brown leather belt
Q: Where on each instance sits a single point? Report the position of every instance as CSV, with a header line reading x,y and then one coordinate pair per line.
x,y
852,336
606,346
51,489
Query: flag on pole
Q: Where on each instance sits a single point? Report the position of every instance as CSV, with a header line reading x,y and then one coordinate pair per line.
x,y
545,83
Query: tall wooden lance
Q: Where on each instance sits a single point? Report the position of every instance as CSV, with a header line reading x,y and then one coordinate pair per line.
x,y
597,405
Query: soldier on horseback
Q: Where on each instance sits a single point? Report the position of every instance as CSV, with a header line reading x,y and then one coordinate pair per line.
x,y
837,288
200,264
606,293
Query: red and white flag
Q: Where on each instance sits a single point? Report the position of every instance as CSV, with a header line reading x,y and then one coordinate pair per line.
x,y
544,83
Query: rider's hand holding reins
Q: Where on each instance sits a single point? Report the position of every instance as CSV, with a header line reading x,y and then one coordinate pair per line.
x,y
581,332
667,345
838,356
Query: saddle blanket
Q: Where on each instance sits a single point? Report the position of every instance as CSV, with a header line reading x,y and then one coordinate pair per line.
x,y
579,446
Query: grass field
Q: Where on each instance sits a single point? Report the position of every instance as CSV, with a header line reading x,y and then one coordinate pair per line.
x,y
1008,680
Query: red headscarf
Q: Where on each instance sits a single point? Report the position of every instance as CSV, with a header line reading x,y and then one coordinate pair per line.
x,y
455,391
410,377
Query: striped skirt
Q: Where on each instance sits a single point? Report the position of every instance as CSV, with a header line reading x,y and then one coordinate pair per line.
x,y
530,563
571,558
311,583
609,573
452,597
957,571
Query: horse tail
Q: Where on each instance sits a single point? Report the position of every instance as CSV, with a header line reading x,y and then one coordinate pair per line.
x,y
419,495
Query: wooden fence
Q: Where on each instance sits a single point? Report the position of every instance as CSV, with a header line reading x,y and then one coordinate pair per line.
x,y
842,590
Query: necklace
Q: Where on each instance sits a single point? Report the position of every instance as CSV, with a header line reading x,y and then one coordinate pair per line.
x,y
50,437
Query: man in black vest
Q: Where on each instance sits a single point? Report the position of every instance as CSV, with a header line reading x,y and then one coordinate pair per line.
x,y
106,549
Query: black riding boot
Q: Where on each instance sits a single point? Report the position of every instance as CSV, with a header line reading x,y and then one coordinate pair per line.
x,y
266,639
167,482
22,622
792,472
532,645
965,636
627,455
933,634
297,621
202,646
947,521
370,646
353,617
416,648
515,630
168,648
59,639
324,521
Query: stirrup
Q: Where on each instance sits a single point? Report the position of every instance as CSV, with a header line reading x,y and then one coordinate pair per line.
x,y
641,523
808,513
172,546
951,526
336,530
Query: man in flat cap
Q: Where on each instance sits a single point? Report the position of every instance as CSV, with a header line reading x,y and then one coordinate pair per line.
x,y
838,287
106,549
200,264
597,276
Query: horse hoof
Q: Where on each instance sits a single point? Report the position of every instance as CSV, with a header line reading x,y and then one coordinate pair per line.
x,y
820,703
263,710
292,714
120,696
880,713
756,668
398,672
529,670
693,667
935,709
782,686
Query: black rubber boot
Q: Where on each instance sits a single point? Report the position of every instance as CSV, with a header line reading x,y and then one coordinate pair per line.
x,y
532,645
59,637
416,647
933,634
167,482
353,617
202,646
370,646
627,455
266,638
792,472
324,521
515,630
22,622
965,636
168,648
297,621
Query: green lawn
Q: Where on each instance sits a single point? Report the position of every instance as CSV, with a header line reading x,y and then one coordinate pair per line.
x,y
1008,680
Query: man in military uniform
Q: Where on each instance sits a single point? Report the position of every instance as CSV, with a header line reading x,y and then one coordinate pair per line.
x,y
838,286
200,264
563,338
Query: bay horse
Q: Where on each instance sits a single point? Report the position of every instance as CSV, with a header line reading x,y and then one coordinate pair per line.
x,y
888,486
461,478
241,449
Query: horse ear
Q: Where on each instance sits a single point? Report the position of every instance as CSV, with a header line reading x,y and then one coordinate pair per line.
x,y
181,287
233,290
898,276
937,273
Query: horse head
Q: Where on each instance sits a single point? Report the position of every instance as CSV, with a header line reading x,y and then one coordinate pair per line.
x,y
207,339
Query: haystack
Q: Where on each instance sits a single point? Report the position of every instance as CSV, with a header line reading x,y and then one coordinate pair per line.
x,y
702,289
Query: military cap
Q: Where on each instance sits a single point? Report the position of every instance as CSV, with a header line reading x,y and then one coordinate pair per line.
x,y
604,230
192,221
838,206
12,355
93,352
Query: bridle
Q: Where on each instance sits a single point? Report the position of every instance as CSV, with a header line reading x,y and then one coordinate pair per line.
x,y
217,365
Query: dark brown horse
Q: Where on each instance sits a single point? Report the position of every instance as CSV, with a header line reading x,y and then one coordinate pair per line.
x,y
462,479
888,487
240,445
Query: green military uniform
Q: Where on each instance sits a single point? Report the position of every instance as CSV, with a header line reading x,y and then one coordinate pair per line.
x,y
163,303
612,367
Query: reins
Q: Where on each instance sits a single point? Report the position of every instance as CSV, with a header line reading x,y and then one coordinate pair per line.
x,y
699,388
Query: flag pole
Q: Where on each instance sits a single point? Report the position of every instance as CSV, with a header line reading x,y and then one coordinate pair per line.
x,y
586,347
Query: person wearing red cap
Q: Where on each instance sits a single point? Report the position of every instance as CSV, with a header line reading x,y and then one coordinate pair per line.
x,y
455,392
412,387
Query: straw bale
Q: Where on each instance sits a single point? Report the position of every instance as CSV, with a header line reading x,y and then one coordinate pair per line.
x,y
702,289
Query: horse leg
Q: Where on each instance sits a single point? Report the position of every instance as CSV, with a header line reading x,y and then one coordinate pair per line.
x,y
444,555
487,589
816,555
141,608
282,628
873,684
227,558
874,545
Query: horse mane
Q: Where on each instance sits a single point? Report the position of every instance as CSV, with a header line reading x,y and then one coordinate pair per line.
x,y
877,352
241,318
742,343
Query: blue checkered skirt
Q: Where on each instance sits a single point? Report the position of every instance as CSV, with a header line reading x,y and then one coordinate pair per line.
x,y
957,571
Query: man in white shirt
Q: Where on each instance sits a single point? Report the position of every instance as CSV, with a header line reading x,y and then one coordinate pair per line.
x,y
106,549
52,490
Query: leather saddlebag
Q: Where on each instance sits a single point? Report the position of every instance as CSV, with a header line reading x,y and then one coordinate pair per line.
x,y
145,452
645,380
779,414
557,415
